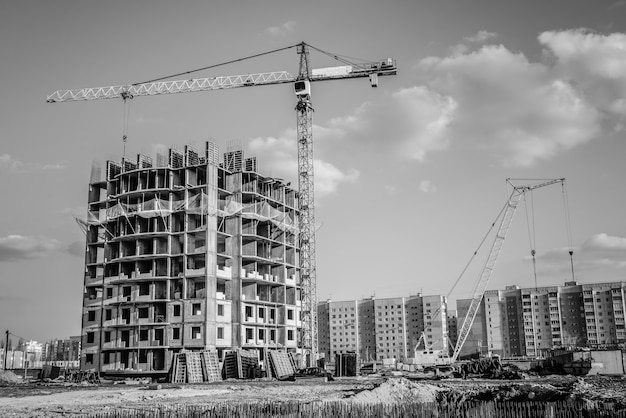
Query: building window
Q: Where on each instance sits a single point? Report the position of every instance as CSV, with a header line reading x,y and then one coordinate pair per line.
x,y
176,310
143,312
89,358
196,309
107,336
220,310
196,333
90,337
107,358
143,335
290,314
144,289
290,335
176,333
91,316
108,314
220,333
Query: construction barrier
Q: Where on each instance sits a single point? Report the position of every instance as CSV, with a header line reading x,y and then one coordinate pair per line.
x,y
490,409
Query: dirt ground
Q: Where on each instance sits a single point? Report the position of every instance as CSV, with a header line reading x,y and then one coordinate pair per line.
x,y
24,399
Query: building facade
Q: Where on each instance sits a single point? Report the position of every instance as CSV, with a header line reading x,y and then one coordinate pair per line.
x,y
529,322
378,329
191,252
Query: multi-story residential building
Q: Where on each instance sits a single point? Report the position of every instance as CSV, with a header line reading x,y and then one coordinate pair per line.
x,y
453,331
391,328
382,328
476,339
188,253
531,321
367,330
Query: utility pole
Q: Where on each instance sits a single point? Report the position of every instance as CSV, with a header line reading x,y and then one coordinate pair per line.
x,y
6,350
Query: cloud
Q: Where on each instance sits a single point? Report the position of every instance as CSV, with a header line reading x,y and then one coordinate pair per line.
x,y
595,63
11,164
517,110
18,247
282,30
480,37
427,186
76,248
599,256
280,154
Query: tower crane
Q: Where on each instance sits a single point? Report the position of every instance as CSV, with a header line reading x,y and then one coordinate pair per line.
x,y
304,110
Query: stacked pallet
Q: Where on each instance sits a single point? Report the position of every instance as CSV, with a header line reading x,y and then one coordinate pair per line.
x,y
240,364
280,365
195,367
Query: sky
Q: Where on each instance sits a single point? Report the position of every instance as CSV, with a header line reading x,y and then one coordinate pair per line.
x,y
409,176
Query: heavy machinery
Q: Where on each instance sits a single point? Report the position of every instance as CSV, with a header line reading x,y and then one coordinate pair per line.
x,y
439,357
304,110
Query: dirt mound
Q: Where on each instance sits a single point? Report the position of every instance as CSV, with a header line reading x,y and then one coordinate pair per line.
x,y
397,391
9,378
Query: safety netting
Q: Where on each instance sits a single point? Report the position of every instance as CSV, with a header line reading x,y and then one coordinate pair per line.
x,y
199,205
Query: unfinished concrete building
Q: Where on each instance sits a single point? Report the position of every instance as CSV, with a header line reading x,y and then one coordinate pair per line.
x,y
189,253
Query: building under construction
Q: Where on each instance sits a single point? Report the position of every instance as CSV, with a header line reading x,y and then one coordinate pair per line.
x,y
188,252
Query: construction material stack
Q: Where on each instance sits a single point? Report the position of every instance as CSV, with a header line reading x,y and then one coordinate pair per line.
x,y
195,367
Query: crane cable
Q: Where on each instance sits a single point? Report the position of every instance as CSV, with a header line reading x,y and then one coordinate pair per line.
x,y
217,65
568,228
127,97
469,262
531,235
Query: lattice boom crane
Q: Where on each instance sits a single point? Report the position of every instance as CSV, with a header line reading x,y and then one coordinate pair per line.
x,y
485,274
304,110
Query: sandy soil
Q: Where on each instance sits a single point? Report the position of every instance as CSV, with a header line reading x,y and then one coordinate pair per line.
x,y
43,400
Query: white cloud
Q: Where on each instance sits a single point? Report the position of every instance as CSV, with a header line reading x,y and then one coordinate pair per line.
x,y
480,37
519,111
19,247
601,257
283,29
328,178
427,116
392,190
11,164
281,155
427,186
595,63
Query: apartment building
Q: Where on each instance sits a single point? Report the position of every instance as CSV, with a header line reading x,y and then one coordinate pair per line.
x,y
476,340
381,328
530,321
187,252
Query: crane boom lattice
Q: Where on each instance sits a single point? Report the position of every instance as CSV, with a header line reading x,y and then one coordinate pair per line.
x,y
485,275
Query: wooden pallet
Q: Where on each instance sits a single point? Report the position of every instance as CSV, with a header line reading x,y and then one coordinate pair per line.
x,y
179,368
230,365
211,366
194,367
281,364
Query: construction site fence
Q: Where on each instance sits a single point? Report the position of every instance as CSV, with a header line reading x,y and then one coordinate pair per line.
x,y
468,409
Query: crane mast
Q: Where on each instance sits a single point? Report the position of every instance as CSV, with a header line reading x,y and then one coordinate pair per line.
x,y
485,275
304,112
306,200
